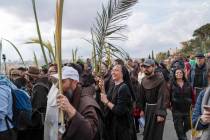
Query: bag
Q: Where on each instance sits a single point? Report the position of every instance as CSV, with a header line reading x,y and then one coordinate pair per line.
x,y
196,135
22,109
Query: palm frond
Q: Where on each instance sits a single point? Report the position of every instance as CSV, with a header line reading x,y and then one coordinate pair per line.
x,y
47,44
38,31
16,49
58,36
109,27
36,60
74,55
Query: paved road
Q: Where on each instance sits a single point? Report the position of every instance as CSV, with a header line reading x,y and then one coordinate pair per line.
x,y
169,131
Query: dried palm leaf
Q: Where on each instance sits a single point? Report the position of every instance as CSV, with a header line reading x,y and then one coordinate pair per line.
x,y
58,38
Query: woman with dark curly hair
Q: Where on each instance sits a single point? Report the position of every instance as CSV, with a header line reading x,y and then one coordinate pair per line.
x,y
181,97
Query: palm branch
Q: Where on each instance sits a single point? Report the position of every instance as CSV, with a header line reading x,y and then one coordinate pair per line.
x,y
16,49
36,60
109,27
47,44
58,36
39,32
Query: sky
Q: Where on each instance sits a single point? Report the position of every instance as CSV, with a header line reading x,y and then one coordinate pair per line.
x,y
153,25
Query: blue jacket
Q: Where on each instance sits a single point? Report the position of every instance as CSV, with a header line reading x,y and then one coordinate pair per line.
x,y
5,107
192,75
197,112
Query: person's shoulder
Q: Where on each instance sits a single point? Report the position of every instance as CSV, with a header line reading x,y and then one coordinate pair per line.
x,y
87,100
123,86
201,95
5,88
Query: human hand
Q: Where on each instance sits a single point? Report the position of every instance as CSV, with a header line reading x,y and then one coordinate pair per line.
x,y
205,117
160,119
64,105
101,85
141,113
104,98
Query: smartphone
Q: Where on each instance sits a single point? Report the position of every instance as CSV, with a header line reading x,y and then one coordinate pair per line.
x,y
206,107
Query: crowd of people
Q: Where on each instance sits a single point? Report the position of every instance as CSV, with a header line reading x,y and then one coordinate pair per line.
x,y
114,104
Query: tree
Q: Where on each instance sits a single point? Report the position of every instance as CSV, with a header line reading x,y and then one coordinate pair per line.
x,y
203,34
153,55
161,56
168,53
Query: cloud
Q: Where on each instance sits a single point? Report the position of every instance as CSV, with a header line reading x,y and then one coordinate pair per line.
x,y
152,26
78,14
160,35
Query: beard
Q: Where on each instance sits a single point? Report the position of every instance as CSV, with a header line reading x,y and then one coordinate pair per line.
x,y
147,73
69,94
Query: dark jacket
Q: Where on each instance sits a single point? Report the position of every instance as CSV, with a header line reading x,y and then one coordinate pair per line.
x,y
197,112
84,125
119,124
193,74
40,91
181,98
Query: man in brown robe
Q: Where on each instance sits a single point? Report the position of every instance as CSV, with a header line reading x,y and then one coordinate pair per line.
x,y
153,101
81,110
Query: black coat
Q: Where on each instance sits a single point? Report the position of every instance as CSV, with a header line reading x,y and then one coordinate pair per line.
x,y
181,98
119,124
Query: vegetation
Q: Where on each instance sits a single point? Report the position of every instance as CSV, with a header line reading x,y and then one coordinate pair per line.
x,y
109,27
74,55
58,41
200,42
47,44
35,60
16,49
39,32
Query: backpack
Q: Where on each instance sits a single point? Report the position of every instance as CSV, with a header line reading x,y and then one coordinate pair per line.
x,y
21,108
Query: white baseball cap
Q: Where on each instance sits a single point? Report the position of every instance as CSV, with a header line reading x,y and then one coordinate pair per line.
x,y
68,73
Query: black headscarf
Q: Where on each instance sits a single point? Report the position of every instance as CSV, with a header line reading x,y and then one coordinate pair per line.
x,y
127,80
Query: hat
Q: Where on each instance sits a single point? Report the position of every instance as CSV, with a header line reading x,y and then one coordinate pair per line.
x,y
68,73
16,72
148,62
199,55
33,71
